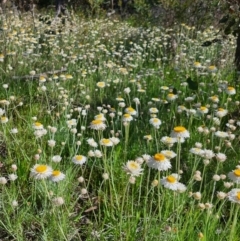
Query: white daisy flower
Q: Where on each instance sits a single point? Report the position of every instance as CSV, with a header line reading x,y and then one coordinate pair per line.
x,y
79,159
221,157
221,134
38,126
168,140
230,90
98,153
57,176
171,97
207,154
221,112
180,131
101,84
234,195
56,158
153,110
100,117
92,142
106,142
114,140
97,125
202,110
159,162
235,176
131,111
197,151
41,171
133,168
127,118
214,99
4,119
155,122
169,154
171,182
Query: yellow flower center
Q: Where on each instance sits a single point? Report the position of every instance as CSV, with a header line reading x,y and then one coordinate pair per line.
x,y
237,172
56,173
37,124
126,115
171,179
101,84
179,129
155,120
106,141
171,95
3,118
203,108
220,109
97,122
197,63
230,88
78,157
212,67
238,195
68,76
159,157
133,165
130,109
41,168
